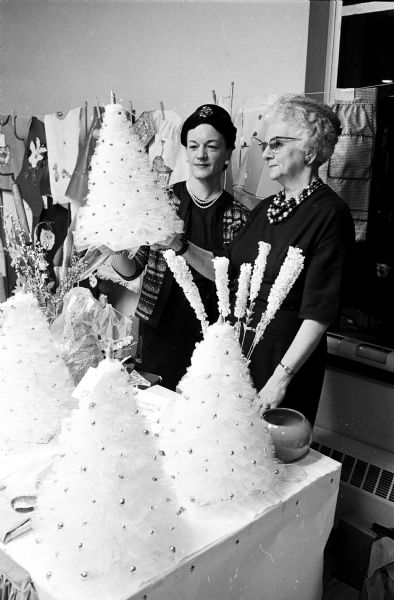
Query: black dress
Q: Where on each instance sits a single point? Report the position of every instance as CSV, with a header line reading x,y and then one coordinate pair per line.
x,y
323,228
168,340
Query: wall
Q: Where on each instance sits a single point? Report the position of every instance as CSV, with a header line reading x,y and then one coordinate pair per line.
x,y
57,54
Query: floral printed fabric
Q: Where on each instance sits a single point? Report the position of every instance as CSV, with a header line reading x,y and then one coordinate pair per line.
x,y
33,179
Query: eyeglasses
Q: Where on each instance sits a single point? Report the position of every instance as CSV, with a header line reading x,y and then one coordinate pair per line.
x,y
275,143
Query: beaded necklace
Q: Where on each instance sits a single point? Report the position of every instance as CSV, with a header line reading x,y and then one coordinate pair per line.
x,y
281,208
204,202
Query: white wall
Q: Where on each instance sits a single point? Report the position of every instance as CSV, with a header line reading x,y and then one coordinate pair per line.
x,y
58,53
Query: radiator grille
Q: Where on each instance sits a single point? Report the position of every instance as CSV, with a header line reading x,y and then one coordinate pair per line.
x,y
360,474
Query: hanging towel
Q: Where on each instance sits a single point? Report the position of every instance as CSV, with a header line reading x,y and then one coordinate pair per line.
x,y
349,170
63,132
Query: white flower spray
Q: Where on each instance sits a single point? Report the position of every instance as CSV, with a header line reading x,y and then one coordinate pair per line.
x,y
220,264
184,278
255,283
289,272
242,295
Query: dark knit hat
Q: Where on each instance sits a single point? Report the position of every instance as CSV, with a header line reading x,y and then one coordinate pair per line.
x,y
214,115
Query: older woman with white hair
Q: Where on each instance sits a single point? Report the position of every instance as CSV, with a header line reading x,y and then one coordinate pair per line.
x,y
288,364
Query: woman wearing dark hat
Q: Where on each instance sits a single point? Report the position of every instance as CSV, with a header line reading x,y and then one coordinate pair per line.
x,y
288,364
169,328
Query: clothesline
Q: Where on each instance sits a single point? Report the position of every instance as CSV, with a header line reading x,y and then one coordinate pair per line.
x,y
215,98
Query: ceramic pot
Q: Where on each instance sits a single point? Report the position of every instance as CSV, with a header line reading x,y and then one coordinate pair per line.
x,y
291,433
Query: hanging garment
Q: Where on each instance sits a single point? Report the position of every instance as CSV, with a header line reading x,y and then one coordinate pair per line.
x,y
12,150
33,180
349,170
250,181
63,132
166,145
77,189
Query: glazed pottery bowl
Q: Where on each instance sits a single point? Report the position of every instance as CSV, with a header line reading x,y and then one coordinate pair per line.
x,y
291,433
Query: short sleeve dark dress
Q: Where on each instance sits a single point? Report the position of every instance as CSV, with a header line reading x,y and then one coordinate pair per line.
x,y
323,228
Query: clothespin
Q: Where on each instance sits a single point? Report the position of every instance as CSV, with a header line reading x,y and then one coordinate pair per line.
x,y
98,109
162,111
231,98
86,117
214,97
113,99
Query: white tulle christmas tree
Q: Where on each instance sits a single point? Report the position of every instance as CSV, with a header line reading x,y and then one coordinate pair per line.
x,y
218,448
34,381
107,515
125,207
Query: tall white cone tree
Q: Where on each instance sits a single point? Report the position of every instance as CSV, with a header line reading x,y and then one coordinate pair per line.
x,y
125,206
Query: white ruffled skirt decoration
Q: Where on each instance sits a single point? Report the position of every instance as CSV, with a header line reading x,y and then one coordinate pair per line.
x,y
34,382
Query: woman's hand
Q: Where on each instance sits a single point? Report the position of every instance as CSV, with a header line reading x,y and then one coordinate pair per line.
x,y
272,394
172,241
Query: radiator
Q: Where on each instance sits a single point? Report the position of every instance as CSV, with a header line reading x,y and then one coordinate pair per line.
x,y
355,426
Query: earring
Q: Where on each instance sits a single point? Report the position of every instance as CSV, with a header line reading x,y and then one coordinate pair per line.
x,y
226,162
307,159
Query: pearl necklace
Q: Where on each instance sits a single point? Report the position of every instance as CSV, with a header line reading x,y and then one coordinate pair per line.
x,y
204,203
281,208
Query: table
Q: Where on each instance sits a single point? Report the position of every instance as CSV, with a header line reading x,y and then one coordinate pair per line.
x,y
278,555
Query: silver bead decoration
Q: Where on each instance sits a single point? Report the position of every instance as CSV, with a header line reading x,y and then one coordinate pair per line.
x,y
48,574
84,574
133,569
173,549
92,404
122,501
80,545
60,525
